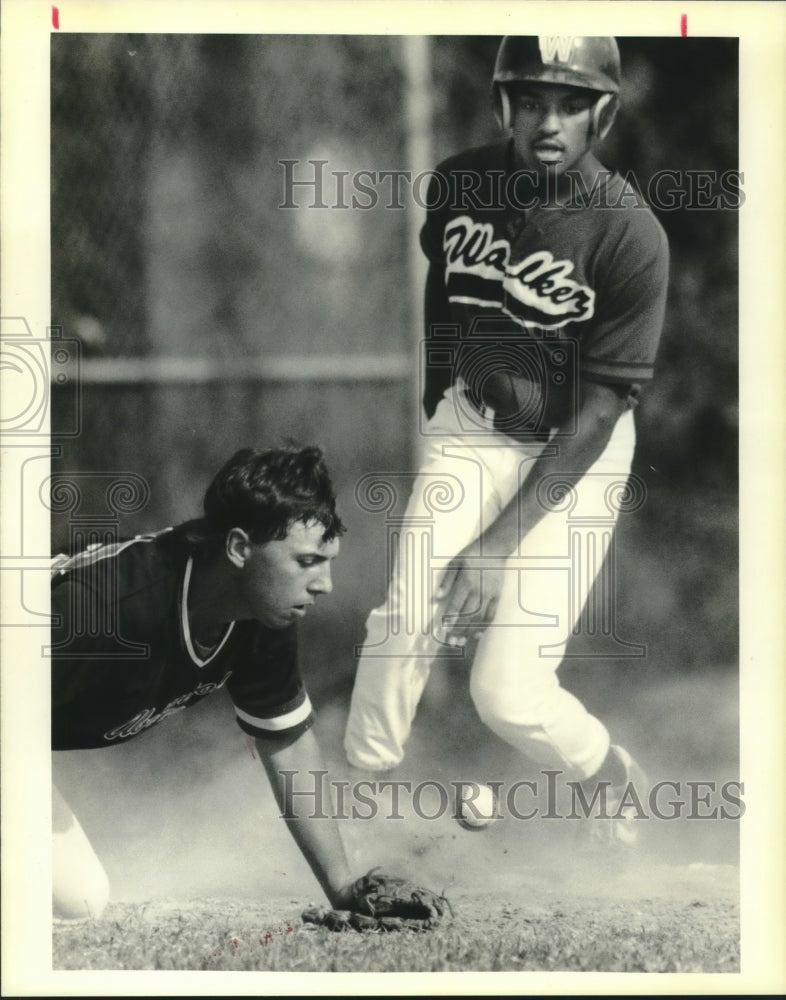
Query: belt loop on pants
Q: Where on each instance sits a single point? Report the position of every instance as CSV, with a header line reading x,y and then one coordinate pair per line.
x,y
487,414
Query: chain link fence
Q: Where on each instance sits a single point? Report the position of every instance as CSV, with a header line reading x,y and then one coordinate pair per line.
x,y
170,246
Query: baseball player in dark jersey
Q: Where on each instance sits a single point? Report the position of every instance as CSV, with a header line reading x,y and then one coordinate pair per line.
x,y
147,627
545,299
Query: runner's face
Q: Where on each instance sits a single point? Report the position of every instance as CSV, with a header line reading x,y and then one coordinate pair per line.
x,y
282,579
551,125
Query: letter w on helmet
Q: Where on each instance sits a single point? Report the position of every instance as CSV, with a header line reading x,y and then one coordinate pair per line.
x,y
571,60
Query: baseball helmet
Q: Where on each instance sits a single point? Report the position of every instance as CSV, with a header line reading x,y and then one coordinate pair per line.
x,y
589,62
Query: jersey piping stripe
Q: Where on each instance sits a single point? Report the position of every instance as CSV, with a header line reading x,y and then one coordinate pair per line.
x,y
280,722
63,563
187,628
467,300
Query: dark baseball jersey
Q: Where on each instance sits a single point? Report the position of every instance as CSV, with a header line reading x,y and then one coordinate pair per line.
x,y
557,292
124,657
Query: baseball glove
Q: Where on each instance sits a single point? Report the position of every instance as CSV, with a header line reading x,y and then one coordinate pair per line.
x,y
383,902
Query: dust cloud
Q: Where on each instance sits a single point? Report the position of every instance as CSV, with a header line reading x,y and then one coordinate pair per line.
x,y
185,812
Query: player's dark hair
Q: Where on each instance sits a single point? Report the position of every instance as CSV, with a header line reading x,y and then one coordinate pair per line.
x,y
265,492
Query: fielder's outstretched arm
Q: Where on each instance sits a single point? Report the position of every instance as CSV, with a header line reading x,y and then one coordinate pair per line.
x,y
291,766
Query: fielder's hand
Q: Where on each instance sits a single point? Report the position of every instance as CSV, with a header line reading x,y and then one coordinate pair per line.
x,y
383,902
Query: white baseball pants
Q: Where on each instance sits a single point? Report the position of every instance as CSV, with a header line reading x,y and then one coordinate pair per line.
x,y
465,480
80,887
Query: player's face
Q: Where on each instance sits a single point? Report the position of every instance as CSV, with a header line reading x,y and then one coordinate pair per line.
x,y
282,579
551,125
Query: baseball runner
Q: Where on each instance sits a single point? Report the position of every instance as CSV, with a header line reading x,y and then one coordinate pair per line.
x,y
148,626
544,303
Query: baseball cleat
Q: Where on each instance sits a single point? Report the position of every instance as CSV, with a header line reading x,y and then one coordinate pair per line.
x,y
617,824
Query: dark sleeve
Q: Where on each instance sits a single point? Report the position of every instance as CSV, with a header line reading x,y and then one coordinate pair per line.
x,y
439,352
431,233
437,372
268,693
98,675
73,650
630,307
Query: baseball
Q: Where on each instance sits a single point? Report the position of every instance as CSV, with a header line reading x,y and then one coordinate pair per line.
x,y
477,807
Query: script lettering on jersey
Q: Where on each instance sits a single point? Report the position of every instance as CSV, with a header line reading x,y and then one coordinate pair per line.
x,y
537,290
472,249
148,717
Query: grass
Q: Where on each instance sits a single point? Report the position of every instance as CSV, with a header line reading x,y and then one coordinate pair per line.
x,y
486,934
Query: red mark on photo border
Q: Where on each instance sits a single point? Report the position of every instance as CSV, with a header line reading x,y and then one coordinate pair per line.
x,y
56,18
684,25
